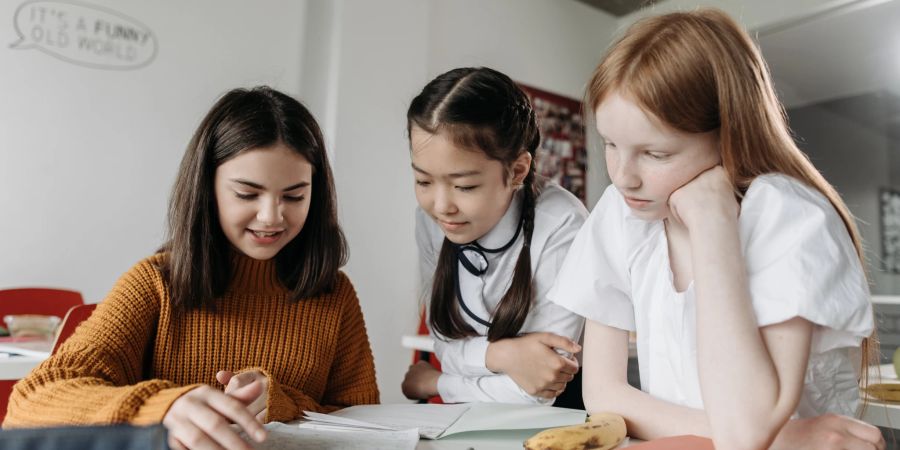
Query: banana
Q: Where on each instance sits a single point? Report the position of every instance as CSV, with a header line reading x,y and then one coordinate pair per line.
x,y
888,392
601,432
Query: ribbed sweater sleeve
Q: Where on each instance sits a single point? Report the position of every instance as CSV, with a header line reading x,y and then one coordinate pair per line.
x,y
97,375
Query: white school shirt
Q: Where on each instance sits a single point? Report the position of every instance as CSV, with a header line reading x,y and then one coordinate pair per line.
x,y
800,262
558,216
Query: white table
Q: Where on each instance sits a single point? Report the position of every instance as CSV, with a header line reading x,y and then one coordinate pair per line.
x,y
15,367
18,358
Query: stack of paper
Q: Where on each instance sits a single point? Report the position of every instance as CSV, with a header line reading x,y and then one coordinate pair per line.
x,y
283,436
439,421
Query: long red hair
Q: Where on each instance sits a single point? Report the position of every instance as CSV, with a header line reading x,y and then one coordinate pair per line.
x,y
699,72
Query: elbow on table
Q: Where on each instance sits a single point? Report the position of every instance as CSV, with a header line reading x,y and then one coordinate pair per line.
x,y
744,441
749,434
599,400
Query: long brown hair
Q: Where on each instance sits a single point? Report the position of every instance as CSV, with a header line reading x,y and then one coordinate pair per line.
x,y
700,71
480,108
198,266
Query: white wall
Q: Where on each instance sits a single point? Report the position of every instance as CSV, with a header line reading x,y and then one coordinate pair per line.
x,y
375,63
759,14
855,156
88,156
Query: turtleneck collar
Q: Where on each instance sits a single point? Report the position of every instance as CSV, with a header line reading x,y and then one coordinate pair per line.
x,y
252,276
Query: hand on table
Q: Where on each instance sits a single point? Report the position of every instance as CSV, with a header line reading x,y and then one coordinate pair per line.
x,y
233,382
202,418
532,361
420,382
828,432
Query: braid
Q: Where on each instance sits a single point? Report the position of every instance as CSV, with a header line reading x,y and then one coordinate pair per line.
x,y
530,193
444,317
513,309
516,302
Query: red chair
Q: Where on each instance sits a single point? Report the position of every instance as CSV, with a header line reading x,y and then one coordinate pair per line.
x,y
74,317
44,301
431,358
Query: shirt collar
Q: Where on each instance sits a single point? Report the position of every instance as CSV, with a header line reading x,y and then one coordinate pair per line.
x,y
506,227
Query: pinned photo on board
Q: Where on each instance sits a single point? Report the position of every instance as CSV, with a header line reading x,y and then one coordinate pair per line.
x,y
890,230
562,155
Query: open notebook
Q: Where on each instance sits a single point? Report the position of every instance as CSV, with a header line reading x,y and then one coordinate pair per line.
x,y
438,421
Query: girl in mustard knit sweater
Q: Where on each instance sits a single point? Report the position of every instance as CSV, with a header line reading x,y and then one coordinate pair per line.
x,y
243,317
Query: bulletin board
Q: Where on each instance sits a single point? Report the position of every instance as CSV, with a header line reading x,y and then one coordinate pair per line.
x,y
890,229
562,155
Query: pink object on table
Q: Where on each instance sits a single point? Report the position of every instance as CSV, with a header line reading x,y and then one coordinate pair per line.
x,y
686,442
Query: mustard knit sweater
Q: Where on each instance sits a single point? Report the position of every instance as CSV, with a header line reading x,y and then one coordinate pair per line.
x,y
135,355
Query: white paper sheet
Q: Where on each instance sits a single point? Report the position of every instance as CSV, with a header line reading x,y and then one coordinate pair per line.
x,y
431,420
341,421
438,421
499,416
288,437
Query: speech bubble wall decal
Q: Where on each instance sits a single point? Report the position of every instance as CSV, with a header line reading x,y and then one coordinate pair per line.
x,y
84,34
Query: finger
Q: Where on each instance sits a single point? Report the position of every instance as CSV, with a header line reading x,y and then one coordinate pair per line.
x,y
867,433
224,376
422,367
569,367
190,436
243,379
175,444
235,410
557,341
249,393
555,387
853,443
258,405
216,430
563,377
549,394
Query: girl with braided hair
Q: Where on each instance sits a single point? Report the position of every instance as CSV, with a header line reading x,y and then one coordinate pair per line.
x,y
491,237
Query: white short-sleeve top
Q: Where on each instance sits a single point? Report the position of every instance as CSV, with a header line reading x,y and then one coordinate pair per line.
x,y
800,261
558,215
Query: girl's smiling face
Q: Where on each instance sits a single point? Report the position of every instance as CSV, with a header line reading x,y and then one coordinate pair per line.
x,y
463,191
262,197
647,160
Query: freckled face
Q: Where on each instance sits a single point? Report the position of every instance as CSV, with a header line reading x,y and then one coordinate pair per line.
x,y
648,160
